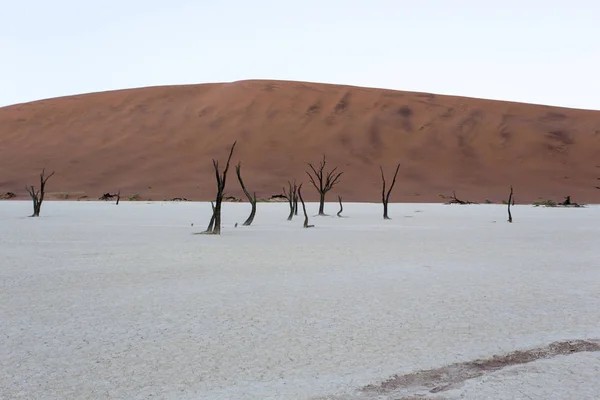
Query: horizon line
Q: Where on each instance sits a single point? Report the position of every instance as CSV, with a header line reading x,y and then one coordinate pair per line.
x,y
133,88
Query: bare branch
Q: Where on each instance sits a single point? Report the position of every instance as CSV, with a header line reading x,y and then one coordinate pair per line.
x,y
44,180
227,165
332,179
312,179
31,191
387,199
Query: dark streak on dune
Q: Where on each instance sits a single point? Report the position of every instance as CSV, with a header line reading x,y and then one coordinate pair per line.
x,y
405,111
343,104
165,137
561,136
314,109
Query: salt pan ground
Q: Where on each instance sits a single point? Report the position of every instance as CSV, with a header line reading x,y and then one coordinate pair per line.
x,y
99,301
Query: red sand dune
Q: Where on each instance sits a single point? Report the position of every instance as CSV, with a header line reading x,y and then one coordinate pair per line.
x,y
159,141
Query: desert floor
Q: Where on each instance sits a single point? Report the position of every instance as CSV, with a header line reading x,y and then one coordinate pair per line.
x,y
99,301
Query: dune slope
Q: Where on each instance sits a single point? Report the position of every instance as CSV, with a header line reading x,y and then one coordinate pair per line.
x,y
159,142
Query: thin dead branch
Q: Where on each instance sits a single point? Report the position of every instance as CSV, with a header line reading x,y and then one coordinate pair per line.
x,y
339,214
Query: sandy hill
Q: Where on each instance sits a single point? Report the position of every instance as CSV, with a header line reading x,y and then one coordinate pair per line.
x,y
159,141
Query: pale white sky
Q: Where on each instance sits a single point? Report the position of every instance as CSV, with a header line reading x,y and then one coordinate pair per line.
x,y
537,51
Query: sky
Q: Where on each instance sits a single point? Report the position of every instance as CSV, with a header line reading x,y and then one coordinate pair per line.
x,y
544,52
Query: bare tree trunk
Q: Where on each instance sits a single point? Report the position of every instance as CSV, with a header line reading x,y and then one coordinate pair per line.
x,y
339,214
385,198
292,197
221,180
38,196
211,224
251,199
291,215
118,196
34,197
326,181
306,225
296,204
510,200
250,219
322,204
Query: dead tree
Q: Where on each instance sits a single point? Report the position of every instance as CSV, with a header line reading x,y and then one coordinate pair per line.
x,y
569,203
118,196
510,200
326,181
339,214
385,198
38,196
292,197
306,225
456,200
251,199
221,178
